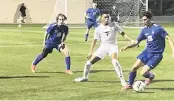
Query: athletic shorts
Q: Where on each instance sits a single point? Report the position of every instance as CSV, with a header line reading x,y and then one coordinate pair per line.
x,y
105,49
149,59
90,23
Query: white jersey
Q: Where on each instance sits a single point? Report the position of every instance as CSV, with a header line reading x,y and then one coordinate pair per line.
x,y
107,34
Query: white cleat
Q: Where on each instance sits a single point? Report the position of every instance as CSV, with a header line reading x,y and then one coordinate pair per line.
x,y
80,79
123,83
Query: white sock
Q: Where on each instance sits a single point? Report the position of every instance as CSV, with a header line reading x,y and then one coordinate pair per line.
x,y
87,69
118,70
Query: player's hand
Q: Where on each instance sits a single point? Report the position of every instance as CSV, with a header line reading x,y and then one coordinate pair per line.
x,y
134,42
123,48
89,56
62,45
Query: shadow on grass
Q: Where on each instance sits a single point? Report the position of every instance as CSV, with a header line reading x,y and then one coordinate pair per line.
x,y
52,72
96,71
18,77
167,89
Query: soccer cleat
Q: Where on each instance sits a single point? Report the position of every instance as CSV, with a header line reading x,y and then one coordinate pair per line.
x,y
127,87
33,68
80,79
123,83
148,81
69,72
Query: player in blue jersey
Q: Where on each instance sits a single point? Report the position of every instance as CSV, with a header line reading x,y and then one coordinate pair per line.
x,y
153,53
92,16
55,36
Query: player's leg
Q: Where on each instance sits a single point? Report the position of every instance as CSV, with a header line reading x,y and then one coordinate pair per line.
x,y
65,50
151,64
141,61
89,24
87,67
40,57
98,55
133,73
118,69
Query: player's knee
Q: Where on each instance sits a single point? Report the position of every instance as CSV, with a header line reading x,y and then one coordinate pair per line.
x,y
88,63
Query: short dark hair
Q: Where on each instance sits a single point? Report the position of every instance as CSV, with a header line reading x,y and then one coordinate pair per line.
x,y
60,14
148,14
104,12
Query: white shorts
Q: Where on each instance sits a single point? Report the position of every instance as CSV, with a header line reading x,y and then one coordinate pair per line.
x,y
105,49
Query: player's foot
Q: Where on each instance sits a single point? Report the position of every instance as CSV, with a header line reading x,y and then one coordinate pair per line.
x,y
69,72
86,37
149,80
33,68
127,87
80,79
123,83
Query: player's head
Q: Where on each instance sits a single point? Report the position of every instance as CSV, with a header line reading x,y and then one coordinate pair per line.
x,y
61,18
22,4
147,18
94,5
105,17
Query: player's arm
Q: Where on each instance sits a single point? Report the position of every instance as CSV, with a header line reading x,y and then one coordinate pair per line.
x,y
171,43
126,36
47,34
92,48
86,14
96,37
164,34
98,15
120,30
134,43
65,34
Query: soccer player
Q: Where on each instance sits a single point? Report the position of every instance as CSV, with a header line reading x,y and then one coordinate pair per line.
x,y
92,16
153,53
114,14
54,38
106,33
23,12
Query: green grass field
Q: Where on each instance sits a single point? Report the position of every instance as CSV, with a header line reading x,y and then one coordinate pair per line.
x,y
20,46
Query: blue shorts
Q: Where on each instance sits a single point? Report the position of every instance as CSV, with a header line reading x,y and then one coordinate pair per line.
x,y
149,59
50,47
90,23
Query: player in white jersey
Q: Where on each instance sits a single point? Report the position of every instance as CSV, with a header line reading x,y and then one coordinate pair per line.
x,y
106,33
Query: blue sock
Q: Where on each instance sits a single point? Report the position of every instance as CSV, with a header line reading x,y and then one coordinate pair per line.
x,y
68,62
132,76
38,59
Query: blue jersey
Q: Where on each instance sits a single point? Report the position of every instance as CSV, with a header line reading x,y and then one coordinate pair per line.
x,y
93,13
155,36
56,33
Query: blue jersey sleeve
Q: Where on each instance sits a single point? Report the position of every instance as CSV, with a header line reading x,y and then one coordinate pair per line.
x,y
49,29
162,32
66,30
98,12
88,11
141,36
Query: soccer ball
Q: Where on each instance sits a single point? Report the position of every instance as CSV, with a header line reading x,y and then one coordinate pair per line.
x,y
139,86
19,25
